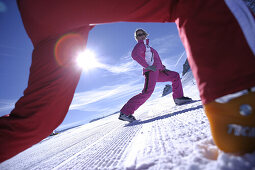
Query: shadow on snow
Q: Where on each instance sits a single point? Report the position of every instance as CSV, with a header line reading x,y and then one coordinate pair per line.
x,y
165,116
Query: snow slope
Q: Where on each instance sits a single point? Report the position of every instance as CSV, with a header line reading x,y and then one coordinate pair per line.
x,y
165,137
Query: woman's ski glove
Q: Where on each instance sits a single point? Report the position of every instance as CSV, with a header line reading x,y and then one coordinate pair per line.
x,y
152,68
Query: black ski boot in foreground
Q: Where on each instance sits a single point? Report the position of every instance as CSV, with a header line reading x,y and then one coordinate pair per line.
x,y
182,100
129,118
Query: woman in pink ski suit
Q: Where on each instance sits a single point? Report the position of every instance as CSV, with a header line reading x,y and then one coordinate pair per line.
x,y
218,36
154,71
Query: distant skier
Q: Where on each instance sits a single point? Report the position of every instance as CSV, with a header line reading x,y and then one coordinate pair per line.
x,y
218,36
167,90
154,71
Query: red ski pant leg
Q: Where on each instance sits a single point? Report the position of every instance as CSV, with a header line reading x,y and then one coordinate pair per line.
x,y
135,102
52,82
44,18
173,77
53,77
220,58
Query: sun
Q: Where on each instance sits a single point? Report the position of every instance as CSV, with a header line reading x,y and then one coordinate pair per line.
x,y
87,60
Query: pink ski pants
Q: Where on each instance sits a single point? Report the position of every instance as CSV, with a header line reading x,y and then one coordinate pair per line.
x,y
151,78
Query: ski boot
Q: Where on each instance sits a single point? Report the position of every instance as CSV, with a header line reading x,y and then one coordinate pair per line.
x,y
129,118
232,121
182,100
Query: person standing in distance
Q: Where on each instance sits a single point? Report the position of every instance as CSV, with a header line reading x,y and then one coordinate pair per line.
x,y
154,71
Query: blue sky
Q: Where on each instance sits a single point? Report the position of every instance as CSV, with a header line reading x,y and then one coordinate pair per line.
x,y
101,91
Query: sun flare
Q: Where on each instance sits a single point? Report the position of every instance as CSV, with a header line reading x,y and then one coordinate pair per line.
x,y
87,60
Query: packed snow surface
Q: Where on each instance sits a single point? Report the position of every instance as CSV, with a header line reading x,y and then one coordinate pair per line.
x,y
164,137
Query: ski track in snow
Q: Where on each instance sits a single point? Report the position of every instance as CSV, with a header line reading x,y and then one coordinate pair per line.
x,y
165,137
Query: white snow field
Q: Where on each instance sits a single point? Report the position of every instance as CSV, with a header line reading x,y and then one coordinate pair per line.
x,y
165,137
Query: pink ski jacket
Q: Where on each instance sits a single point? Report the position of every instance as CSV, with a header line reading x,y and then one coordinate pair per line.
x,y
138,54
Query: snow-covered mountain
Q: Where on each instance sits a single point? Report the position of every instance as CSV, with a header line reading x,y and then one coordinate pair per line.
x,y
165,137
